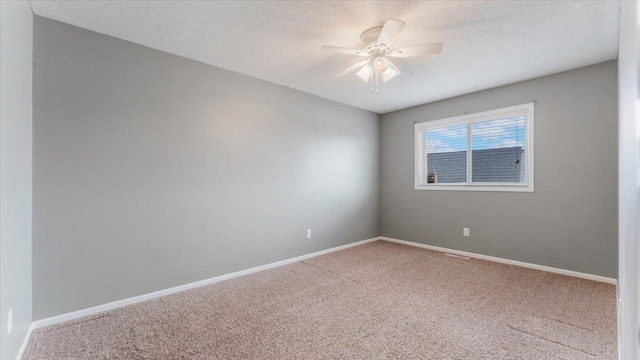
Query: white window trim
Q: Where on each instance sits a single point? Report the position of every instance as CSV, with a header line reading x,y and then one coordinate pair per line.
x,y
420,150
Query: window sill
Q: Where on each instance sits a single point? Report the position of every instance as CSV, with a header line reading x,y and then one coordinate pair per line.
x,y
498,188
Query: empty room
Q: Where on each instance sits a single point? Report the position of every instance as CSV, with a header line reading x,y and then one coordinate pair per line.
x,y
319,180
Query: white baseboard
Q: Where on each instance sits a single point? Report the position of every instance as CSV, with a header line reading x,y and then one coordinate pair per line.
x,y
25,342
136,299
506,261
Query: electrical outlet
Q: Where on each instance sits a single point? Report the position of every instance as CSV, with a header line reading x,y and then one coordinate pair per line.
x,y
9,321
465,232
308,233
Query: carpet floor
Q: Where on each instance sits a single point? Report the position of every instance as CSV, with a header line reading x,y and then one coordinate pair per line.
x,y
381,300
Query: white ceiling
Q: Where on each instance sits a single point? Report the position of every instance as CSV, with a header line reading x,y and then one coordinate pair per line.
x,y
486,43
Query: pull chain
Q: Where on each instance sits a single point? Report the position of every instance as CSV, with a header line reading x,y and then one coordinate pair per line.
x,y
374,83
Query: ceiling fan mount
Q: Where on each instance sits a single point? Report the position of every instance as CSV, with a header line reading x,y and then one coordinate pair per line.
x,y
377,48
369,38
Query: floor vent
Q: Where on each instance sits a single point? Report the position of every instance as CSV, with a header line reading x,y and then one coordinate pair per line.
x,y
457,256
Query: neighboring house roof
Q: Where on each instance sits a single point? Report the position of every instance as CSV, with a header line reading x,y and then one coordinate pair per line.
x,y
491,165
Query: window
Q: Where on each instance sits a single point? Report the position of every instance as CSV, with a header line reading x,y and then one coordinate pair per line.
x,y
488,151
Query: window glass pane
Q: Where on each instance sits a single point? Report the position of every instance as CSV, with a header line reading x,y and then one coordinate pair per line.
x,y
497,151
447,155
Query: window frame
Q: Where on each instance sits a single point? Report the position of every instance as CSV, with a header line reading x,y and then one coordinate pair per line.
x,y
420,174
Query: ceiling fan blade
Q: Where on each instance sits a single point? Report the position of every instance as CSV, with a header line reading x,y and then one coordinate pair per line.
x,y
390,32
352,68
344,50
418,50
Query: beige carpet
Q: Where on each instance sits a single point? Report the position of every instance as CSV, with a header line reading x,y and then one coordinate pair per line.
x,y
376,301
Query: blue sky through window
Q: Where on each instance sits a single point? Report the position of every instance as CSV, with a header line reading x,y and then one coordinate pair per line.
x,y
493,134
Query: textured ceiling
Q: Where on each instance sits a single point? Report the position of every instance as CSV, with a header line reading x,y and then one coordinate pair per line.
x,y
486,43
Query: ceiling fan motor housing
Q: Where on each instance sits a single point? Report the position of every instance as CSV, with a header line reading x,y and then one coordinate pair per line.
x,y
369,39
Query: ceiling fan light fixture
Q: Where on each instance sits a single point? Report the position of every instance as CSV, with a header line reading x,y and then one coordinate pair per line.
x,y
380,64
389,74
365,73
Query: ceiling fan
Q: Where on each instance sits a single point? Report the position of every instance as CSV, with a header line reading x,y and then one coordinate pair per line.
x,y
377,43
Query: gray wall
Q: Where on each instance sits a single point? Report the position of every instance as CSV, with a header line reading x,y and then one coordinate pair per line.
x,y
152,171
16,50
569,222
